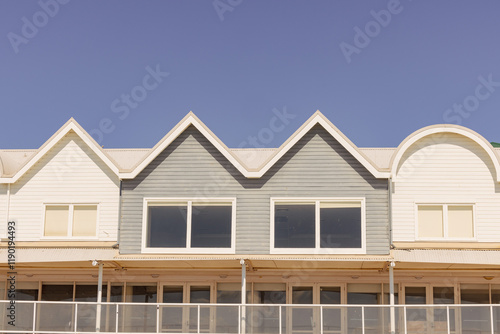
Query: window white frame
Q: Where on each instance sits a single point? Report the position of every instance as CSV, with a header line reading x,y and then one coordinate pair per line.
x,y
445,237
317,249
69,235
151,201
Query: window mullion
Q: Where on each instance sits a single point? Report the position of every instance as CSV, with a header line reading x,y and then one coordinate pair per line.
x,y
317,225
70,220
188,223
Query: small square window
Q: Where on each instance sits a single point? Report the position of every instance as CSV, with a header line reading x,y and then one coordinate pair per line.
x,y
460,221
430,221
56,220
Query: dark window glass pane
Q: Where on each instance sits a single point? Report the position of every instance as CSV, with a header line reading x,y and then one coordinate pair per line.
x,y
167,226
269,293
211,226
228,297
143,294
329,295
57,293
87,293
415,295
270,297
340,227
27,294
199,294
172,318
294,226
443,295
331,317
474,294
302,295
357,298
116,294
172,294
364,293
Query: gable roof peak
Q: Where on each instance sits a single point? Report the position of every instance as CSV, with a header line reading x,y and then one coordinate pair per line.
x,y
192,119
70,125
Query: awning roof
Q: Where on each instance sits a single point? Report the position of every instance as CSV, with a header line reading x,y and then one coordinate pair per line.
x,y
422,258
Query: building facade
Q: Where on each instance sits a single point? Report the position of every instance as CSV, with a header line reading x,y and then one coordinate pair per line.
x,y
185,233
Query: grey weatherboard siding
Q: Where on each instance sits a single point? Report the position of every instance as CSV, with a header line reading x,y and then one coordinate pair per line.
x,y
316,166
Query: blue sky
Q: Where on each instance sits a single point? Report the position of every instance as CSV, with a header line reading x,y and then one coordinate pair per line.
x,y
128,71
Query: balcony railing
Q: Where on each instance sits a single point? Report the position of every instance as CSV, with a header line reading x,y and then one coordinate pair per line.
x,y
69,317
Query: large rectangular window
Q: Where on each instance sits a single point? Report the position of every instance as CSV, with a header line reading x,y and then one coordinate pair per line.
x,y
70,220
189,225
445,221
317,226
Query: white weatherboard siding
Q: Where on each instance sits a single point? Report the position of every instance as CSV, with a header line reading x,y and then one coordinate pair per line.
x,y
317,166
69,173
446,168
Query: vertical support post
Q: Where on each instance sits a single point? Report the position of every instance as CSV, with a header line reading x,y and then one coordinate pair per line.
x,y
280,319
76,318
448,319
362,319
117,317
243,294
391,297
157,318
35,306
239,317
198,326
491,320
321,319
404,320
99,299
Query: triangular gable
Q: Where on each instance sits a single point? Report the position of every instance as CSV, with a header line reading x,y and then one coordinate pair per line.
x,y
188,120
70,125
319,118
316,118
